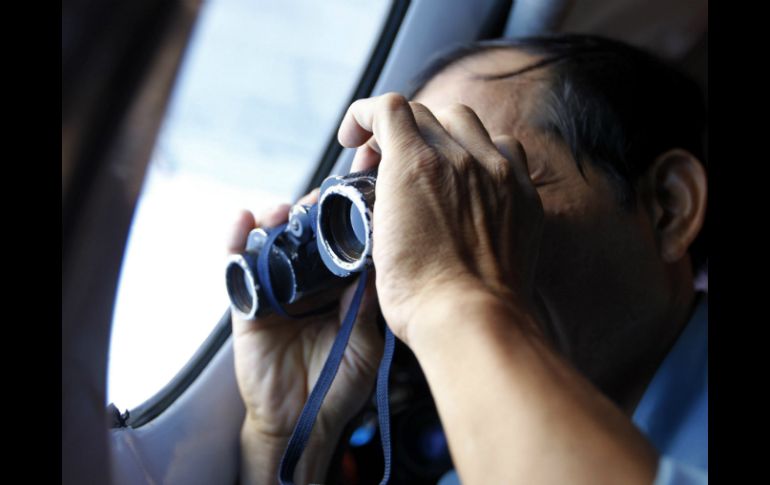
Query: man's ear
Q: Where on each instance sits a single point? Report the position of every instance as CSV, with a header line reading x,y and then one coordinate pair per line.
x,y
675,192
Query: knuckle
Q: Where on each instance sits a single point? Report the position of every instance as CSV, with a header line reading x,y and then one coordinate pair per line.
x,y
456,110
421,112
417,106
392,101
464,162
460,110
502,170
426,162
456,116
355,105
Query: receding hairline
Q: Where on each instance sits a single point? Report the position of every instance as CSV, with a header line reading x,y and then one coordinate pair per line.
x,y
527,79
493,63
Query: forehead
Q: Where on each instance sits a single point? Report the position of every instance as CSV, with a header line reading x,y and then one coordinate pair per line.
x,y
503,105
513,106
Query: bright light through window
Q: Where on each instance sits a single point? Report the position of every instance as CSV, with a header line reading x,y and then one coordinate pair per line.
x,y
257,97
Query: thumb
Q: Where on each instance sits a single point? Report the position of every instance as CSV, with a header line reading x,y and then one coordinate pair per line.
x,y
241,226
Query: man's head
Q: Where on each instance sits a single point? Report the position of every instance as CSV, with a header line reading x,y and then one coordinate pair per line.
x,y
614,143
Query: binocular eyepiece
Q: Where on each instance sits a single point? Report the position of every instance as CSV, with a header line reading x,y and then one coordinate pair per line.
x,y
344,234
320,246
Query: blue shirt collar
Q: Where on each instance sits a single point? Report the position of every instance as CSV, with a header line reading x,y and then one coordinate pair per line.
x,y
673,412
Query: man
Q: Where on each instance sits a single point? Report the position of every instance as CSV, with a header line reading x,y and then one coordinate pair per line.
x,y
536,207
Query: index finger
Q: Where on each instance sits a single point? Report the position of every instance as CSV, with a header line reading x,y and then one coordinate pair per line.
x,y
388,119
245,222
240,231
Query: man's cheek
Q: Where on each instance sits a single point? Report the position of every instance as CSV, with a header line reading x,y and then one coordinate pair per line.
x,y
557,249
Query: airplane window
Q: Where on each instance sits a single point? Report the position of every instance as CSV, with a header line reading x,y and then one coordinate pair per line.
x,y
259,92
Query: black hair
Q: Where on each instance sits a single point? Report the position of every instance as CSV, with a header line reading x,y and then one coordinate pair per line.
x,y
614,105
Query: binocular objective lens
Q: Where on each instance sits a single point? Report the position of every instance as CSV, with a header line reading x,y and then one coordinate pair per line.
x,y
240,287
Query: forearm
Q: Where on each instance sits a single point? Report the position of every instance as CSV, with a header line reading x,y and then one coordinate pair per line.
x,y
261,457
512,409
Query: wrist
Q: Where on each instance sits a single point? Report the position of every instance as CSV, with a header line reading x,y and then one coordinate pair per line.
x,y
453,312
261,454
254,435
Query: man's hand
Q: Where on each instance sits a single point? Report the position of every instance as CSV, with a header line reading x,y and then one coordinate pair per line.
x,y
457,226
456,212
277,362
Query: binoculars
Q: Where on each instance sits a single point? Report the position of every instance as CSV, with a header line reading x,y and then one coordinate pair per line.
x,y
320,246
